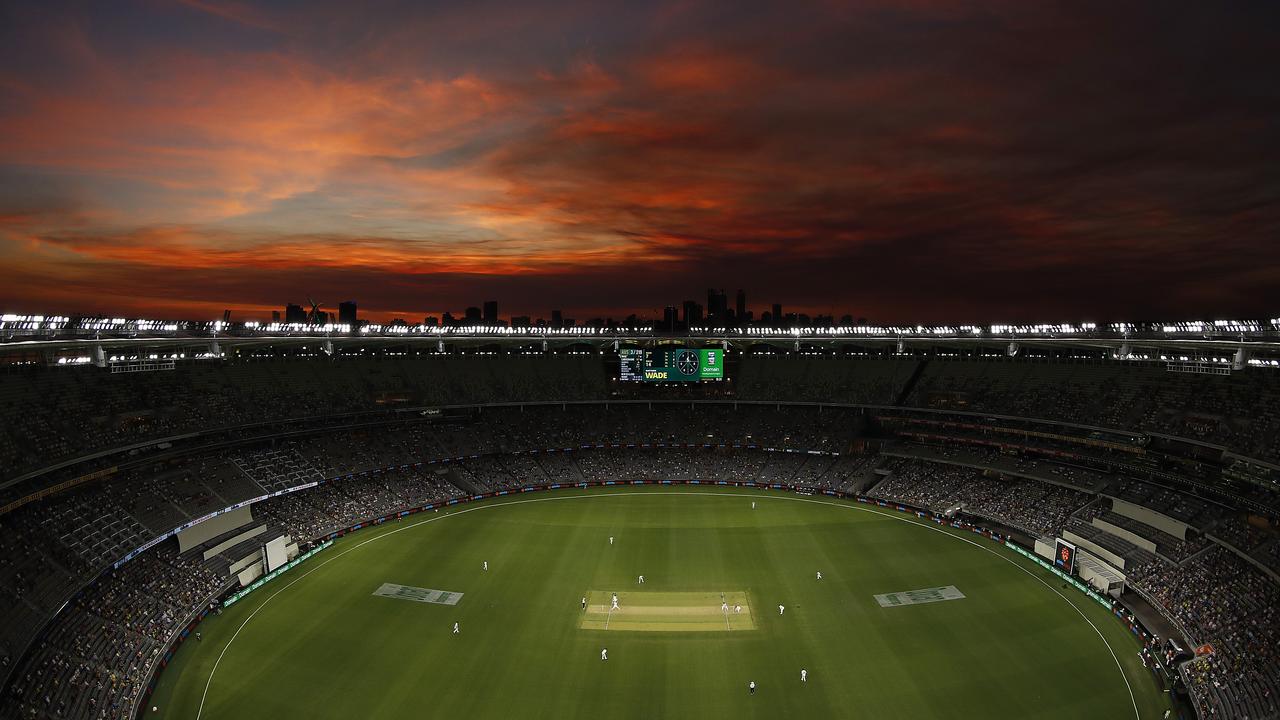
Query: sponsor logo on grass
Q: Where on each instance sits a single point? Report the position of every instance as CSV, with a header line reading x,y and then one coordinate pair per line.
x,y
919,597
417,594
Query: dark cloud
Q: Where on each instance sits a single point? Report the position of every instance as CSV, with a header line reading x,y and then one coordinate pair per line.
x,y
905,161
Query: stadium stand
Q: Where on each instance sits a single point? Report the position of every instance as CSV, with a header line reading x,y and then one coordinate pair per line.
x,y
346,424
1226,604
1235,411
1037,508
51,416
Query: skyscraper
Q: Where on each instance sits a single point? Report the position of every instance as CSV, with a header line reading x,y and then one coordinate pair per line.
x,y
490,312
717,305
347,313
742,307
692,314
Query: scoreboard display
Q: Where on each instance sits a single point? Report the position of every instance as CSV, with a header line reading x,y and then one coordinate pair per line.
x,y
671,364
632,363
1065,557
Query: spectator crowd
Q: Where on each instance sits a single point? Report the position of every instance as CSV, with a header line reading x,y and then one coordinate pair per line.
x,y
79,638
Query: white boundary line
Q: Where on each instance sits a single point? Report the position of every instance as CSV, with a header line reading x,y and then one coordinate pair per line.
x,y
852,505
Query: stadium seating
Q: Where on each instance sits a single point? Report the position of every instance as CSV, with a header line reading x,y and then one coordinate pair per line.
x,y
52,415
1223,601
1236,411
93,658
1036,508
65,412
1259,544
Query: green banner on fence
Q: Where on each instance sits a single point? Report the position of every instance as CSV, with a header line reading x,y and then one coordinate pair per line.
x,y
1082,587
275,574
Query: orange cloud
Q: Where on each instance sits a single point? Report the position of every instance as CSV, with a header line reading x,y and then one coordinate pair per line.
x,y
238,150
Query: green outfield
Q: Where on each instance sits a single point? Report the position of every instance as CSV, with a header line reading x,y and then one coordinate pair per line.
x,y
962,627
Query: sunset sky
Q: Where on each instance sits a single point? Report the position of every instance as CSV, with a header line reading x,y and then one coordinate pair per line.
x,y
902,160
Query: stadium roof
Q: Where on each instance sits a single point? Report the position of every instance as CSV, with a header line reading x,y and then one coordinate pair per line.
x,y
1210,340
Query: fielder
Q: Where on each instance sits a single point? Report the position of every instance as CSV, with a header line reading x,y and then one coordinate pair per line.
x,y
641,580
737,609
604,653
819,574
455,629
610,539
804,675
781,608
584,603
486,565
752,687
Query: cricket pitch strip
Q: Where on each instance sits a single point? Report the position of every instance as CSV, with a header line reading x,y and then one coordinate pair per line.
x,y
642,611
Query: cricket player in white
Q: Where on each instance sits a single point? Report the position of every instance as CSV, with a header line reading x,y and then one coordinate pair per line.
x,y
819,574
804,675
610,539
737,609
486,565
780,609
641,580
455,629
615,601
724,607
604,653
584,603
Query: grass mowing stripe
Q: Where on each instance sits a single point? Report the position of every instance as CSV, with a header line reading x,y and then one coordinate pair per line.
x,y
1023,568
1106,642
1065,599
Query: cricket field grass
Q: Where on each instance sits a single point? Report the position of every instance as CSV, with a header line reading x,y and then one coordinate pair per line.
x,y
963,628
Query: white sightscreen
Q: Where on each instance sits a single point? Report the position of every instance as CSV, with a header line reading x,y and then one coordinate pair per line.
x,y
276,552
213,527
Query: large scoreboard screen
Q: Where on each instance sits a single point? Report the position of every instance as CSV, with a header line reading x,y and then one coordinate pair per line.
x,y
1065,557
671,364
